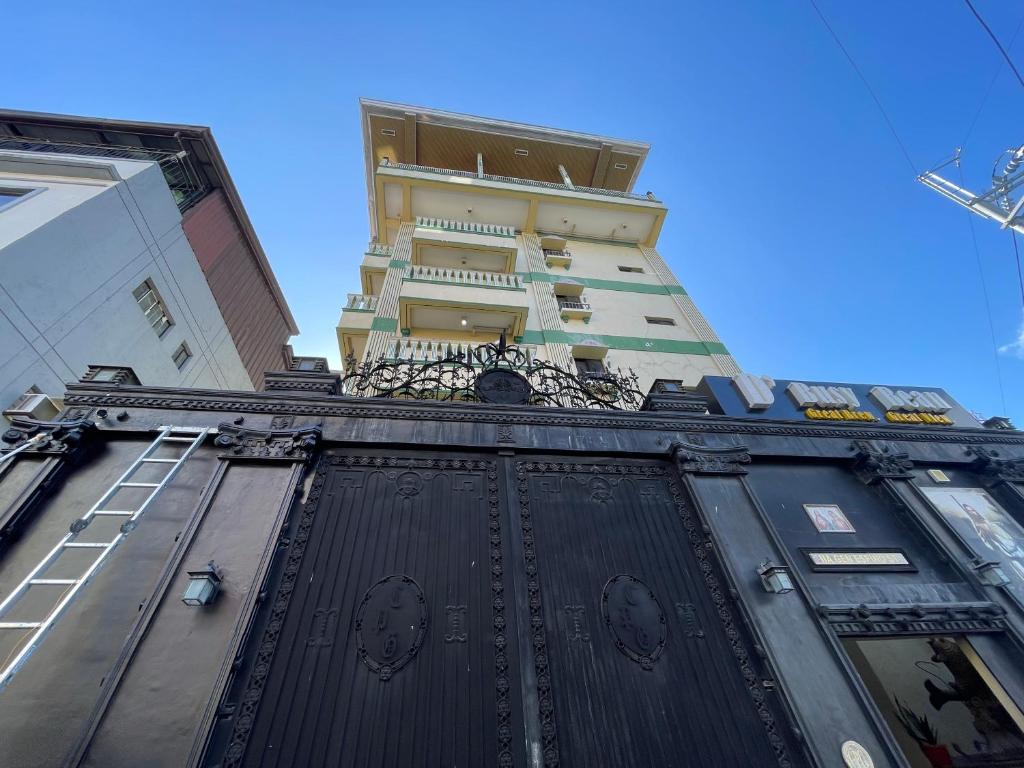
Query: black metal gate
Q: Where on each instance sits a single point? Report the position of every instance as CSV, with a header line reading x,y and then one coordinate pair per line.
x,y
478,611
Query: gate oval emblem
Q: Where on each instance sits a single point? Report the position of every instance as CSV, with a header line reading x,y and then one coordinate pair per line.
x,y
635,618
391,624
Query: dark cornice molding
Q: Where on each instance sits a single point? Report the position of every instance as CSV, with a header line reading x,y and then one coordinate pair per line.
x,y
904,619
316,405
877,461
701,460
61,437
277,445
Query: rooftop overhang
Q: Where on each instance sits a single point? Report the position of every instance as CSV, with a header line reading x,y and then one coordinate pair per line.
x,y
408,193
401,133
96,135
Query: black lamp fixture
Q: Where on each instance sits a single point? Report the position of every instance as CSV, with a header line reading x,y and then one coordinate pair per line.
x,y
203,586
775,578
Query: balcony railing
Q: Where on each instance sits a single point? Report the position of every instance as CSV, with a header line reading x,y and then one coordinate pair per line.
x,y
361,302
472,227
521,182
425,350
573,304
574,309
554,257
184,181
379,249
471,277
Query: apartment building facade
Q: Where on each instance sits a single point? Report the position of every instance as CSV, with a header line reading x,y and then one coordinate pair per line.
x,y
482,226
125,246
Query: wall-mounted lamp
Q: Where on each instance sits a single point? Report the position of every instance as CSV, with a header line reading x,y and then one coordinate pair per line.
x,y
203,586
775,578
463,321
991,573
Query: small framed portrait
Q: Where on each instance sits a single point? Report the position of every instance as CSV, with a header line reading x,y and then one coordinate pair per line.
x,y
828,518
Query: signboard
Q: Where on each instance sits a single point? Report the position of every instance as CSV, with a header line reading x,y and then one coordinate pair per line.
x,y
858,559
767,398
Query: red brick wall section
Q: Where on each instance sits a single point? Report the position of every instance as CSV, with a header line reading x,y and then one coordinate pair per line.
x,y
254,319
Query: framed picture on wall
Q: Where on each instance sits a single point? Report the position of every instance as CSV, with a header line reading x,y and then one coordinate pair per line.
x,y
828,518
986,527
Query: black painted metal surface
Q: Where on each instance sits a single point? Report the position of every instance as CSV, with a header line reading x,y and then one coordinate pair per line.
x,y
389,638
644,652
386,639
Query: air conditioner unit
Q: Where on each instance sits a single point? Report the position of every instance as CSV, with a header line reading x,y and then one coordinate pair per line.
x,y
33,405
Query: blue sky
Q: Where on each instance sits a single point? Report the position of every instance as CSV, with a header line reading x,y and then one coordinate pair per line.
x,y
795,221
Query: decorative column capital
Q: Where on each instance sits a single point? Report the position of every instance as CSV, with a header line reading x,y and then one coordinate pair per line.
x,y
701,460
59,438
994,467
874,461
270,445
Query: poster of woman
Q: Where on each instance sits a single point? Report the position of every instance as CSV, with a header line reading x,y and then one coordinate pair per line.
x,y
991,533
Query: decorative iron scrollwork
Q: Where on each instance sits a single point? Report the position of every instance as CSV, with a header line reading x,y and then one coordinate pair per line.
x,y
492,373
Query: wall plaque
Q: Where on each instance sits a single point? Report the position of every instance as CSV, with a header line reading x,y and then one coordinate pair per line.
x,y
855,756
858,559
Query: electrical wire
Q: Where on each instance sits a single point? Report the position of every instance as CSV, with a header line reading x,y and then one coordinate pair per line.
x,y
988,306
991,85
996,41
864,80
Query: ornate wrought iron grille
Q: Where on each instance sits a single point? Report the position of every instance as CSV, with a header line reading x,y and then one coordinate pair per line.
x,y
492,373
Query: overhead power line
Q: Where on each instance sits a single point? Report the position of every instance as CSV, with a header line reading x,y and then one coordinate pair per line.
x,y
863,79
994,40
991,85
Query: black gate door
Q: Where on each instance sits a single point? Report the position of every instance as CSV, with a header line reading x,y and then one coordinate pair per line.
x,y
386,639
638,653
486,611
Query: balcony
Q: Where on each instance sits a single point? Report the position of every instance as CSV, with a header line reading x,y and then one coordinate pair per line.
x,y
456,302
427,350
454,276
574,309
557,258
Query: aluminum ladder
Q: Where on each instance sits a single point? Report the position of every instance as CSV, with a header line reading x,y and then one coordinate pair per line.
x,y
192,439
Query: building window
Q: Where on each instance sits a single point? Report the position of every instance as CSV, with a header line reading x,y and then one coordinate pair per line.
x,y
659,320
182,355
587,367
153,307
11,195
638,270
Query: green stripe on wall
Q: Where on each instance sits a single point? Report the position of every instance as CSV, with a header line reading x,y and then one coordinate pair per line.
x,y
604,285
398,263
388,324
634,343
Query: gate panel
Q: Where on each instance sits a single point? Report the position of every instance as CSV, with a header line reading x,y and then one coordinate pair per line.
x,y
386,640
638,653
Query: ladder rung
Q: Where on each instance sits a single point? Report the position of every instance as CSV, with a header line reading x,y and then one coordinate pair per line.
x,y
161,461
53,581
20,624
179,439
138,485
114,512
88,544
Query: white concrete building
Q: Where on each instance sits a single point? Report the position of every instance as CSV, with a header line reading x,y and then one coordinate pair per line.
x,y
110,257
480,226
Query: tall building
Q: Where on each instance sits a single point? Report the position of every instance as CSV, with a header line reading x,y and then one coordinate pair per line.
x,y
126,245
480,226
